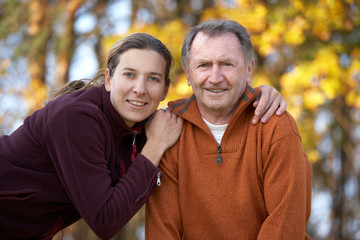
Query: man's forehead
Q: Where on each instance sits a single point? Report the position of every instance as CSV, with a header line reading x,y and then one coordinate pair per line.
x,y
219,45
205,37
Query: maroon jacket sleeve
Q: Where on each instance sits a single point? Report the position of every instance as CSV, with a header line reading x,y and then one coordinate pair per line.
x,y
77,141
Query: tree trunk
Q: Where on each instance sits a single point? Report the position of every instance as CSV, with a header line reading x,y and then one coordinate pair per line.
x,y
39,31
343,213
66,41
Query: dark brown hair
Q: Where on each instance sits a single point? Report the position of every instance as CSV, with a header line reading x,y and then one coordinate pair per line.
x,y
132,41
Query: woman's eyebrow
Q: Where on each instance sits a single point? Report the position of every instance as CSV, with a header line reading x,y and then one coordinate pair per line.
x,y
128,69
156,73
134,70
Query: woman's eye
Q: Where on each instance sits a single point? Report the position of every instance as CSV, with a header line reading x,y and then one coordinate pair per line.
x,y
129,74
155,79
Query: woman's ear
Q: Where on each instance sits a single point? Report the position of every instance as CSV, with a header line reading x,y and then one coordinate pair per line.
x,y
165,92
107,80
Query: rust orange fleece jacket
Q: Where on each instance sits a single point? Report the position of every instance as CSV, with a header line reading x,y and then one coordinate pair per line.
x,y
260,190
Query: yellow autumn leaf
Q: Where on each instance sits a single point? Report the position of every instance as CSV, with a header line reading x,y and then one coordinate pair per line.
x,y
182,88
295,34
298,4
35,94
313,98
332,87
351,98
259,79
313,155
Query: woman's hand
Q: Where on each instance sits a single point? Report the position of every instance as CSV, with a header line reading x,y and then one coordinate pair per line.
x,y
268,101
162,131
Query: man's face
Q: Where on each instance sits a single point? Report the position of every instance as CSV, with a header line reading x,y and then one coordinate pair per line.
x,y
218,75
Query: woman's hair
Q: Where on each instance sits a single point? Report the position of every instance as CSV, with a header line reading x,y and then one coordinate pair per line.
x,y
132,41
214,28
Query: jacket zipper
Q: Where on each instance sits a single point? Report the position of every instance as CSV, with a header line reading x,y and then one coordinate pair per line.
x,y
158,181
218,157
134,146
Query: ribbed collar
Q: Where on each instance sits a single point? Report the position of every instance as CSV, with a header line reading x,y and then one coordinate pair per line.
x,y
187,107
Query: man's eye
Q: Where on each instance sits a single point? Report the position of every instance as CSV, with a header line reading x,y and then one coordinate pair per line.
x,y
227,64
203,65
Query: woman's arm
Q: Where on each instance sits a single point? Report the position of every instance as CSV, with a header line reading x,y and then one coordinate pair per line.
x,y
269,101
162,132
77,145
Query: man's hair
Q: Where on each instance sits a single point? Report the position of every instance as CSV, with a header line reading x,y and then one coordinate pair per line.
x,y
214,28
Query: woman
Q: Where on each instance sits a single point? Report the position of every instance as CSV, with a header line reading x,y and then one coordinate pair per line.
x,y
86,154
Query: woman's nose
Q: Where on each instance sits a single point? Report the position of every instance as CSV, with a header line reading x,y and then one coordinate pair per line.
x,y
139,86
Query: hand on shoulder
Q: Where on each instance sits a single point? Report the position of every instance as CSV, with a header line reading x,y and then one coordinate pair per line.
x,y
162,132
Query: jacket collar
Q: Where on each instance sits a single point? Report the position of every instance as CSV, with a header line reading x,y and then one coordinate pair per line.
x,y
187,107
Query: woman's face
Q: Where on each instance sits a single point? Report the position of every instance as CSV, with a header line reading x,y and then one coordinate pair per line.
x,y
137,85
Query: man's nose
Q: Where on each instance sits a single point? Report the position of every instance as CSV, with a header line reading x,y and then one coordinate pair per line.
x,y
215,74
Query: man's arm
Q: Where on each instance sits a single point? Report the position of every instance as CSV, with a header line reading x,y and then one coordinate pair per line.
x,y
163,217
287,176
268,101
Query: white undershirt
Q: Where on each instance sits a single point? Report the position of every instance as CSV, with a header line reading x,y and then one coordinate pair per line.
x,y
217,130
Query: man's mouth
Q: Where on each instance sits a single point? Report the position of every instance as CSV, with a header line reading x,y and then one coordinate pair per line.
x,y
216,90
136,103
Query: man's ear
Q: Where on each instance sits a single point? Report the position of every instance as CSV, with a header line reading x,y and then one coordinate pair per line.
x,y
187,74
250,68
107,80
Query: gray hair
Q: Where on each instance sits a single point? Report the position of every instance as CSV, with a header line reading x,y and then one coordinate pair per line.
x,y
215,28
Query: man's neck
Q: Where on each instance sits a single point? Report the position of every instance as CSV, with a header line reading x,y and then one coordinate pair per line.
x,y
216,117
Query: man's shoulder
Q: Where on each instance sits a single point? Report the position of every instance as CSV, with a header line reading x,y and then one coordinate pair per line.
x,y
181,105
281,126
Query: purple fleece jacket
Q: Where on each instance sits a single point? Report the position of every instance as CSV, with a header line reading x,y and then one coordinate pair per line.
x,y
65,163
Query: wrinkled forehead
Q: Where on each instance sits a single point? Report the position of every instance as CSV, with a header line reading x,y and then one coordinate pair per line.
x,y
215,44
203,39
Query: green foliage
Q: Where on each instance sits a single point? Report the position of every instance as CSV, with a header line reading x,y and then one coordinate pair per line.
x,y
12,14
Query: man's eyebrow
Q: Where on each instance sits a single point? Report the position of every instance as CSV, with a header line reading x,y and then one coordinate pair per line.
x,y
200,61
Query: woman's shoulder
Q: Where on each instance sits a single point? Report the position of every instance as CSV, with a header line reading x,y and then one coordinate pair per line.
x,y
77,106
85,100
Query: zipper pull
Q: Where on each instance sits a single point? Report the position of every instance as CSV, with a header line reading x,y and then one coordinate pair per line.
x,y
134,146
158,181
134,138
218,158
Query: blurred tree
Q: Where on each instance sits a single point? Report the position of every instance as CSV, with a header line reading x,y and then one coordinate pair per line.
x,y
310,50
38,32
314,60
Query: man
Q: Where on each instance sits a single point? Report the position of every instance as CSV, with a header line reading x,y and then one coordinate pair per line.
x,y
227,178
